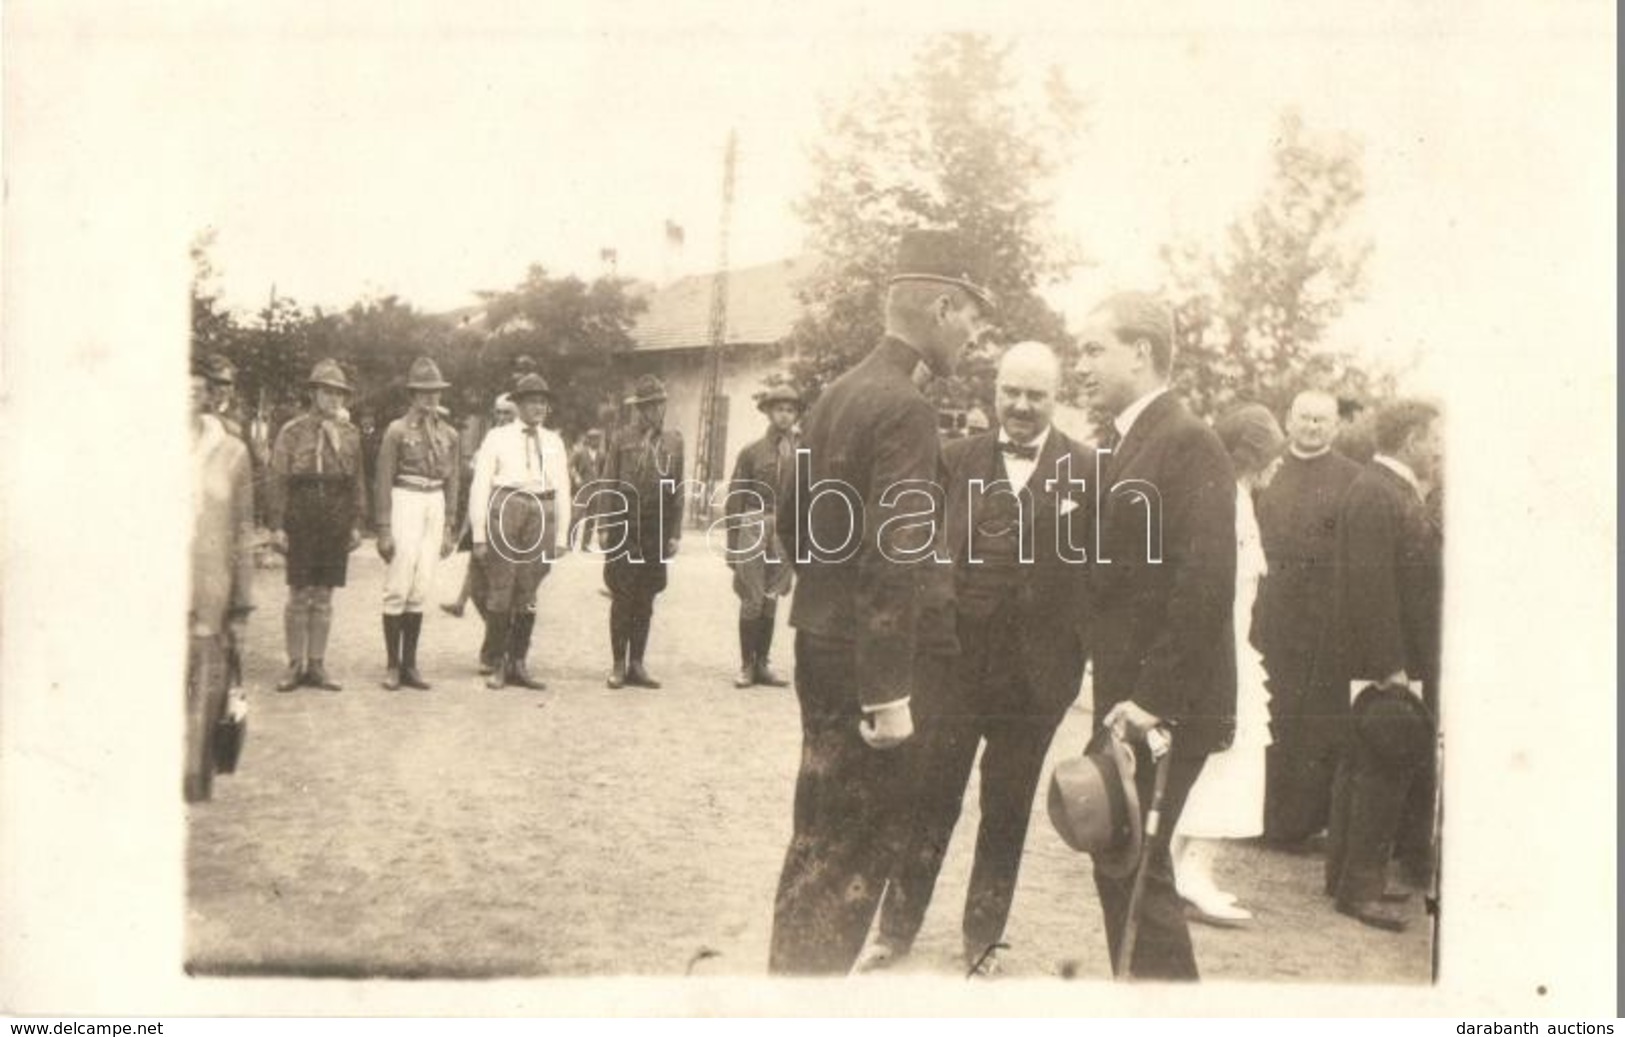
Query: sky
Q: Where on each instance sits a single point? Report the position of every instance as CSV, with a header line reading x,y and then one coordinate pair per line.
x,y
432,157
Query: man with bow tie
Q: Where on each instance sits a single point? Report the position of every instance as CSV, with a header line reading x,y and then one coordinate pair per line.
x,y
1012,499
519,501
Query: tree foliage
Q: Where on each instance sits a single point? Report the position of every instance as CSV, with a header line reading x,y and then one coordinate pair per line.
x,y
1253,314
955,141
572,329
569,329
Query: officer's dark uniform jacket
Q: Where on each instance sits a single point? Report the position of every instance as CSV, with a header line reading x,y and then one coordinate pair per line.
x,y
871,441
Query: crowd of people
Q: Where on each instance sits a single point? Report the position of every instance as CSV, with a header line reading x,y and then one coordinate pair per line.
x,y
1258,614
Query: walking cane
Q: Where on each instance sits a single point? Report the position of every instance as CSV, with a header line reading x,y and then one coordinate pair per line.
x,y
1159,741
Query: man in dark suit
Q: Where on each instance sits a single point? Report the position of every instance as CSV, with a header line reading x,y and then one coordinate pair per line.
x,y
872,606
1013,498
1161,593
1297,518
1389,583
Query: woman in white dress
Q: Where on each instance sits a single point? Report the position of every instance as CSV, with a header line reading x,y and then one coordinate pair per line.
x,y
1227,801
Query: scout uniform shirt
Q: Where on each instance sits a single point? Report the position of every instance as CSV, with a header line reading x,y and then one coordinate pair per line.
x,y
419,450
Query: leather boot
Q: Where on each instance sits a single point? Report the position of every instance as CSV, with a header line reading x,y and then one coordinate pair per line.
x,y
321,621
411,626
620,635
392,646
636,675
764,645
747,654
492,661
293,678
524,623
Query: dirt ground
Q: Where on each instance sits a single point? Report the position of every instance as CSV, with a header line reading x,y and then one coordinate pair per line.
x,y
584,831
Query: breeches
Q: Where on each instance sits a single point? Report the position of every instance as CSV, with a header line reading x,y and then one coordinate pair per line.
x,y
417,523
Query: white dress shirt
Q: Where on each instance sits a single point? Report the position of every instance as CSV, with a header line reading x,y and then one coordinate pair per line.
x,y
509,458
1125,421
1018,470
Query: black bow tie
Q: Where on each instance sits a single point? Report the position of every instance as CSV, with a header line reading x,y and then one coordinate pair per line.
x,y
1026,453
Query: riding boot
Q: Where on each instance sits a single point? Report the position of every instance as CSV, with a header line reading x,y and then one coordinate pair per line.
x,y
321,621
764,647
392,646
411,626
495,644
494,652
747,654
620,635
636,675
524,624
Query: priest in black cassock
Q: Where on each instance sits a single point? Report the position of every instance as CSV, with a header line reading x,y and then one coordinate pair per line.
x,y
1297,518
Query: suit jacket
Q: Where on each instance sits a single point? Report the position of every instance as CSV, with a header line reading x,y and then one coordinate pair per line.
x,y
1053,506
873,572
1389,580
1297,516
1161,594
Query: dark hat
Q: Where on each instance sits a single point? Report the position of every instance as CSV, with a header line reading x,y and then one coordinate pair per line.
x,y
945,257
220,370
531,385
647,389
1393,723
779,394
425,376
1095,807
328,373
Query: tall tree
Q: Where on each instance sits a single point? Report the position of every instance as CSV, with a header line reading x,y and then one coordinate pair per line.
x,y
572,329
956,140
1253,314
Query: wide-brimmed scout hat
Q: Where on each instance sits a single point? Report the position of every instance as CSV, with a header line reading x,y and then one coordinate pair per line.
x,y
531,385
425,376
1094,806
647,389
329,374
945,257
779,394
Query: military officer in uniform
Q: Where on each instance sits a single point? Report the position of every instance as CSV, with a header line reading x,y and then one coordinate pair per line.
x,y
873,607
317,507
645,464
764,475
519,502
416,501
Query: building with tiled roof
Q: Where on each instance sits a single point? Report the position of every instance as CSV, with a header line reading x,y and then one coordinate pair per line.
x,y
672,337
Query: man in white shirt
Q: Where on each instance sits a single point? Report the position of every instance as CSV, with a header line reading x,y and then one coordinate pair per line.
x,y
519,500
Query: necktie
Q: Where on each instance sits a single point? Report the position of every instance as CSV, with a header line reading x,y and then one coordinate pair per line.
x,y
1025,453
533,446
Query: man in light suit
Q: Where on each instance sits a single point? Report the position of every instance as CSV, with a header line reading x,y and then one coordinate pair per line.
x,y
1161,596
1013,499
